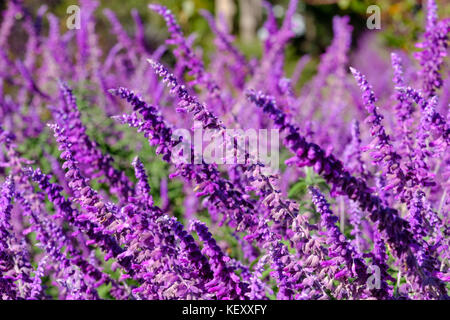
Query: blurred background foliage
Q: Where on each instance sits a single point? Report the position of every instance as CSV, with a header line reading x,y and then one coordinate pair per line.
x,y
401,21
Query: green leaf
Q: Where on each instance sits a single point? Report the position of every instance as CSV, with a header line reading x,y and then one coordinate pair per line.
x,y
298,190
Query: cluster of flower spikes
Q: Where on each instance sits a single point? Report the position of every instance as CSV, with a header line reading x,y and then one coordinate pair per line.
x,y
151,247
237,210
131,120
196,108
50,235
86,151
435,44
394,228
149,236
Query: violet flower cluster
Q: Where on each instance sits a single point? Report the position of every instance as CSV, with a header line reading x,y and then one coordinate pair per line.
x,y
96,204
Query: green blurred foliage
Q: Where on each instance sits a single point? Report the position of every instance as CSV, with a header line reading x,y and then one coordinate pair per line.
x,y
402,21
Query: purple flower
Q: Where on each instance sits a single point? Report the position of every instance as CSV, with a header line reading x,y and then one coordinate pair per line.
x,y
434,47
341,250
226,284
394,229
86,151
383,151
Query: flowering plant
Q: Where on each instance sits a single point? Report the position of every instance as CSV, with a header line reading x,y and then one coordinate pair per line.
x,y
360,210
